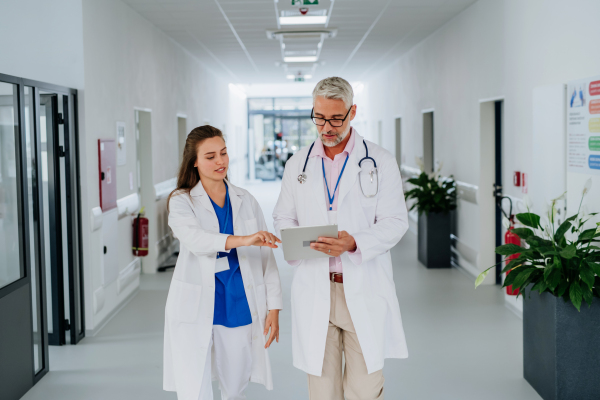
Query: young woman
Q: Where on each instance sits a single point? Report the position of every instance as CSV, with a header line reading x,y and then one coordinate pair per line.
x,y
225,294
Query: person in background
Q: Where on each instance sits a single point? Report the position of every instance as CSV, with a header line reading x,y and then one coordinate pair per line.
x,y
225,294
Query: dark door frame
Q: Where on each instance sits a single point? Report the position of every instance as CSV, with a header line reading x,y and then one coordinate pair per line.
x,y
498,182
50,102
74,232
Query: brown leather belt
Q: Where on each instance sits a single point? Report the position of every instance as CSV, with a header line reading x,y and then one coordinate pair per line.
x,y
336,277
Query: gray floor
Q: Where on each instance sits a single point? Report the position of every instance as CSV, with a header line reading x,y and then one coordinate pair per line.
x,y
464,344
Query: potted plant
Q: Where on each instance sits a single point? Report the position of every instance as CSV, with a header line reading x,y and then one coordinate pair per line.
x,y
561,340
435,198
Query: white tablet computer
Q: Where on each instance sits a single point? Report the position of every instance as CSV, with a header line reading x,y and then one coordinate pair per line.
x,y
296,241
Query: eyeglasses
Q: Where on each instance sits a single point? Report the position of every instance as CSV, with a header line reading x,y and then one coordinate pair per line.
x,y
336,123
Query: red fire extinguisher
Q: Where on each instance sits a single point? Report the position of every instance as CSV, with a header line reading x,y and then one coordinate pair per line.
x,y
511,238
140,235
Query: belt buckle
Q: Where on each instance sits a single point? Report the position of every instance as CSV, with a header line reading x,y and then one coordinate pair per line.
x,y
333,274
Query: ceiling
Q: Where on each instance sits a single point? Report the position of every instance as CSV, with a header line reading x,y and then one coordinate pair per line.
x,y
230,36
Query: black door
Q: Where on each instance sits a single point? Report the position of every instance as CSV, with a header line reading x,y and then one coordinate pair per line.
x,y
61,237
498,185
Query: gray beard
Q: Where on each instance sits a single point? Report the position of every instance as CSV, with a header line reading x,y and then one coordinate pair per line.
x,y
339,139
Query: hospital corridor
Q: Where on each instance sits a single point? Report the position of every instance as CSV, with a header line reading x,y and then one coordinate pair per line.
x,y
299,200
450,334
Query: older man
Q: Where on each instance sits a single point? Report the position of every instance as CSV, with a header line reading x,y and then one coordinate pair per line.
x,y
344,304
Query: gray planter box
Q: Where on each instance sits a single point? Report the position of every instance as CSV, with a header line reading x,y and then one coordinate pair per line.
x,y
561,348
434,240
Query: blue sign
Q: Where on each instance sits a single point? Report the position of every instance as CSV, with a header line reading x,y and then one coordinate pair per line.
x,y
594,161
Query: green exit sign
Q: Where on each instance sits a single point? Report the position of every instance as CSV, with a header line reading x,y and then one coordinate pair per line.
x,y
305,2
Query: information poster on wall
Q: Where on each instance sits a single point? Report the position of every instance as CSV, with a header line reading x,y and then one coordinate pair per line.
x,y
583,126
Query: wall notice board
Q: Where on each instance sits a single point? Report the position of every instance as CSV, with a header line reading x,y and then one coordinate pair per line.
x,y
583,145
107,169
583,126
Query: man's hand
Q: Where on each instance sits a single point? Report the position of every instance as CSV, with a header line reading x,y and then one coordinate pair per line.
x,y
335,247
272,322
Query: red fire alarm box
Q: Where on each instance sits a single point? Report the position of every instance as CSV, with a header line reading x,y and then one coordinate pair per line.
x,y
107,168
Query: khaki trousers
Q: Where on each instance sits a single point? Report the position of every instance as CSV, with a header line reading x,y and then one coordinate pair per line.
x,y
354,382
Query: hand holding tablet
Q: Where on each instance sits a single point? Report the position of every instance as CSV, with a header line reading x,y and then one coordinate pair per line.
x,y
297,241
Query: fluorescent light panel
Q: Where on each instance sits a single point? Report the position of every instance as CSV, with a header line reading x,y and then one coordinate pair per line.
x,y
303,20
300,59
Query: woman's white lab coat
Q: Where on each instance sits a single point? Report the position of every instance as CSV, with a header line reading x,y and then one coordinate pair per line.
x,y
377,224
190,303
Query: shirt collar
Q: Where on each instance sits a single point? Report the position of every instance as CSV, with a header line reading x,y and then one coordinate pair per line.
x,y
319,149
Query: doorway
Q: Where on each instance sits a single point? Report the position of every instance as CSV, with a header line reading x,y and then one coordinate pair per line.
x,y
40,254
182,134
428,142
277,129
143,134
491,126
398,128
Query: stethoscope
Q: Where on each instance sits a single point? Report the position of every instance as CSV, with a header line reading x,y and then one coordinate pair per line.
x,y
372,174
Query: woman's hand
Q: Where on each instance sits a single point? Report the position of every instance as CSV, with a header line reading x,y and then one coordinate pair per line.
x,y
273,323
262,238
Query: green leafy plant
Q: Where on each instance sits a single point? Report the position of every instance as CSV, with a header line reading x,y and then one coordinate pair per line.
x,y
563,261
432,193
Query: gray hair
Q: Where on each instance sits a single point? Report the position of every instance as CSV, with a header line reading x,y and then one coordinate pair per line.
x,y
334,88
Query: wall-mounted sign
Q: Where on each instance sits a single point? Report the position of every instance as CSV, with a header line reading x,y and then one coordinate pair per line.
x,y
121,148
583,126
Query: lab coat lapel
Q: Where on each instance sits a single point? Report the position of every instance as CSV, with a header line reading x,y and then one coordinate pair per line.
x,y
200,194
351,171
234,198
316,189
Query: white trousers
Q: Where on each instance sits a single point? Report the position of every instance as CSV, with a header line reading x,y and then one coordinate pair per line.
x,y
233,362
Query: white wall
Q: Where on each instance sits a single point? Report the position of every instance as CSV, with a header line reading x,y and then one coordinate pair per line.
x,y
42,40
236,135
492,49
130,63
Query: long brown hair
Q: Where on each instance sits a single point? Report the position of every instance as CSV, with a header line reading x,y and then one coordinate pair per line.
x,y
188,176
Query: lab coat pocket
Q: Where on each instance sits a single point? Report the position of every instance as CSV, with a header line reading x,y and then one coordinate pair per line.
x,y
251,226
369,205
185,301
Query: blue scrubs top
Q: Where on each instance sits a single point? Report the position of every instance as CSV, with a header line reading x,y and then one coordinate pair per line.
x,y
231,305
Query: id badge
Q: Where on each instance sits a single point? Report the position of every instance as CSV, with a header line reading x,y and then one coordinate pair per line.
x,y
222,264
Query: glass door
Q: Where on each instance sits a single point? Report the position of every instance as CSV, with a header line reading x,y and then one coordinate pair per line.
x,y
52,239
59,200
16,330
41,297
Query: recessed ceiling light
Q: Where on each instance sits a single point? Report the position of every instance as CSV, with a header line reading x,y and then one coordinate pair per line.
x,y
303,20
307,76
305,59
291,76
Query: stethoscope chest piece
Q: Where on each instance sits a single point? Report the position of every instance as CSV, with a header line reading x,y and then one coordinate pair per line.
x,y
302,178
